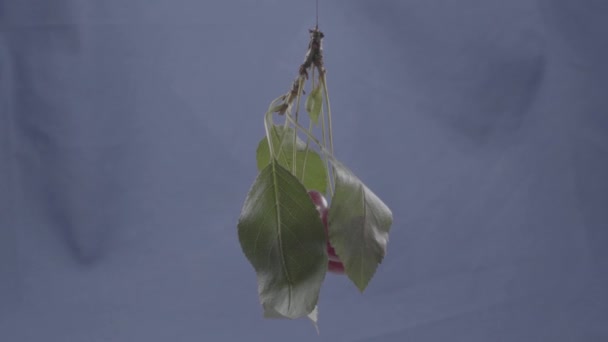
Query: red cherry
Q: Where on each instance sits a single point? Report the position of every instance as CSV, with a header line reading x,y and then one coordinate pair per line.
x,y
334,264
318,200
324,214
331,252
335,267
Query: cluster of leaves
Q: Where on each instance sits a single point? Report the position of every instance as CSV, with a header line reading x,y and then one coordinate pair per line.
x,y
281,232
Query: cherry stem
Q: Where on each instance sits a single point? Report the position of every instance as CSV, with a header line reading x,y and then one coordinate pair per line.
x,y
324,150
269,122
295,133
312,82
326,128
323,80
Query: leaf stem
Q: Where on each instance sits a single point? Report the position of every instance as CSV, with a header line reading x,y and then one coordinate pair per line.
x,y
268,122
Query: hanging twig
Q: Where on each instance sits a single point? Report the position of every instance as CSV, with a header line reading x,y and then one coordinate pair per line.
x,y
314,58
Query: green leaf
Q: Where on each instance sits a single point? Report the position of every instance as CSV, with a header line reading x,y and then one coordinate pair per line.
x,y
314,104
310,168
283,238
282,142
278,108
359,223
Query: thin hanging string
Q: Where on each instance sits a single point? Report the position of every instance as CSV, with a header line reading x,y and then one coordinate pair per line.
x,y
317,9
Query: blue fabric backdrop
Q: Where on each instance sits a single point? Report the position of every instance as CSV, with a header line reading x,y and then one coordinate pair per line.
x,y
127,139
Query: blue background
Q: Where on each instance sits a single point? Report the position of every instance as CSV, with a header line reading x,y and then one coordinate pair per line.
x,y
128,131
